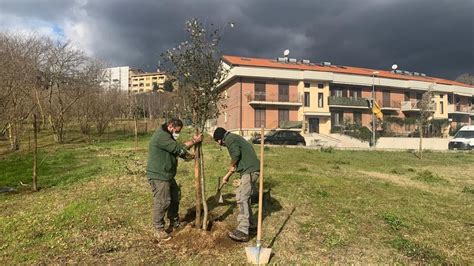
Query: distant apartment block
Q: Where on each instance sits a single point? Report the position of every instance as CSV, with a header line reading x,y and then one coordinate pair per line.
x,y
116,77
147,82
282,93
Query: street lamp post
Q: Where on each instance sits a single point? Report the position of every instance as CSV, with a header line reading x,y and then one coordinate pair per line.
x,y
373,102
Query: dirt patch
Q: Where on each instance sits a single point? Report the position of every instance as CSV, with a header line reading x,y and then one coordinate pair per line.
x,y
191,240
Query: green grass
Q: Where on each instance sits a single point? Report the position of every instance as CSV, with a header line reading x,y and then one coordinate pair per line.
x,y
327,206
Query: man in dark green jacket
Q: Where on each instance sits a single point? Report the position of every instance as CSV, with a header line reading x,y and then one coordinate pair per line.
x,y
161,172
244,161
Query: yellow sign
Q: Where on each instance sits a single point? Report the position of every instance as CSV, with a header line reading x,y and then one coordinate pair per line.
x,y
377,111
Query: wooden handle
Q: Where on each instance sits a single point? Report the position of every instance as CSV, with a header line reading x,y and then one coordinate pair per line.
x,y
226,176
260,191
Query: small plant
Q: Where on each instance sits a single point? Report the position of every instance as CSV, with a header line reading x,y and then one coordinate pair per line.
x,y
468,189
323,193
416,251
327,149
428,177
395,222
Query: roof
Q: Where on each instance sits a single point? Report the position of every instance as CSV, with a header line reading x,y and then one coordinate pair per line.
x,y
272,63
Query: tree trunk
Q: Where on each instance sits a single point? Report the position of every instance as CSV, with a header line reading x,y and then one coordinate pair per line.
x,y
35,153
420,152
13,137
197,182
203,189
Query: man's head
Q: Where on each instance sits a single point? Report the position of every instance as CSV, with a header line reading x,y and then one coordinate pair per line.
x,y
174,125
219,134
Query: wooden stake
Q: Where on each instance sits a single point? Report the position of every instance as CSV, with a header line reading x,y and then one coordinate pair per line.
x,y
35,153
197,182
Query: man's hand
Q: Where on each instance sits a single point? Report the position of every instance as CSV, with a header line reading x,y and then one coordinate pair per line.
x,y
232,168
197,138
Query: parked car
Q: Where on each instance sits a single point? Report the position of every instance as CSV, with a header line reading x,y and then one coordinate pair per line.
x,y
463,140
282,137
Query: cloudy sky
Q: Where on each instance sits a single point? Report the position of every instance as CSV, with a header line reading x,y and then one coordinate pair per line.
x,y
431,36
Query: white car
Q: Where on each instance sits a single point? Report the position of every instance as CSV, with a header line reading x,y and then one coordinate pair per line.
x,y
463,140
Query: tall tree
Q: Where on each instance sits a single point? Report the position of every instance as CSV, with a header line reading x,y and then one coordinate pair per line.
x,y
196,64
426,115
466,79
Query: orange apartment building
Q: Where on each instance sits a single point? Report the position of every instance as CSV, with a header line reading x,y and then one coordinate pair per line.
x,y
282,92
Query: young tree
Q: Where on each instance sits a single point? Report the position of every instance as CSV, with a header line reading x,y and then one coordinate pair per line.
x,y
196,64
426,115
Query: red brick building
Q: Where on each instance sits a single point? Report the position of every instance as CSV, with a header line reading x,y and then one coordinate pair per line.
x,y
284,92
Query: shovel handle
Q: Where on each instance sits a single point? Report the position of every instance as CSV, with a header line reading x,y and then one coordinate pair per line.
x,y
225,177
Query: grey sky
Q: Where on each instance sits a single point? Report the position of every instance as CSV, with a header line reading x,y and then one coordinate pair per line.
x,y
431,36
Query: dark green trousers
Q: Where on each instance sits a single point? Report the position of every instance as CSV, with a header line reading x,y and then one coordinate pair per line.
x,y
166,197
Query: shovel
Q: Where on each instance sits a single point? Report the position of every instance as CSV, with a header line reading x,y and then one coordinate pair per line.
x,y
218,196
257,254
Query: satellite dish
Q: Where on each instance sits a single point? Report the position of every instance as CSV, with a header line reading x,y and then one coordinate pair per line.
x,y
286,53
394,66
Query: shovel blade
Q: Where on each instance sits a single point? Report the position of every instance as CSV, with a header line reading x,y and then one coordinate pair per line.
x,y
258,255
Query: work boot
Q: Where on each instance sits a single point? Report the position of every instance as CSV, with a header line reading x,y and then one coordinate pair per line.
x,y
176,224
238,236
162,236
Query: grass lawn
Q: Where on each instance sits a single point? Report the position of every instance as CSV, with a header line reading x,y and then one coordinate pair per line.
x,y
327,206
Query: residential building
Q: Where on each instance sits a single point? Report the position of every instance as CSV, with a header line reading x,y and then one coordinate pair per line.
x,y
284,92
116,77
147,82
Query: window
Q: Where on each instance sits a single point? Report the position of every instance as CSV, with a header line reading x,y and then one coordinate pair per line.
x,y
337,118
320,86
407,96
337,92
283,92
450,99
259,117
306,99
260,91
320,100
307,85
419,96
355,93
154,78
141,84
386,98
148,84
357,117
283,116
441,96
441,107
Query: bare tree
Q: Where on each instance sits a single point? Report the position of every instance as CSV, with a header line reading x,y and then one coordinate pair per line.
x,y
466,79
196,64
17,78
68,74
426,115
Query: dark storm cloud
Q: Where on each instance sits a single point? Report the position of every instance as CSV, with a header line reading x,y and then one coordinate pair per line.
x,y
431,36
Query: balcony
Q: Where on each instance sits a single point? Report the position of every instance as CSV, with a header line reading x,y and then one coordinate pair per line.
x,y
273,99
348,102
460,109
413,106
390,106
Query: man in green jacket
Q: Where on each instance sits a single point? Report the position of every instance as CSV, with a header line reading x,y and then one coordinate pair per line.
x,y
161,172
244,161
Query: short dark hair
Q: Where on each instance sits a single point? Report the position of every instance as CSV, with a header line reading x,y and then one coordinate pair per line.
x,y
219,133
175,122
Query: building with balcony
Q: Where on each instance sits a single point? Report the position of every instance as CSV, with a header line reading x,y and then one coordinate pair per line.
x,y
309,97
146,82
